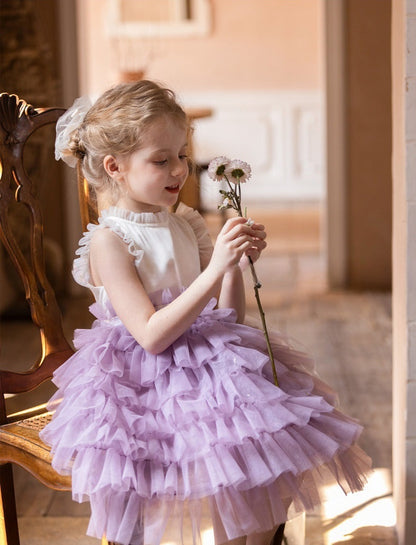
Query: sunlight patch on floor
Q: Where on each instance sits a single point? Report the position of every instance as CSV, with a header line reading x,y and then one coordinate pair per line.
x,y
207,537
364,518
349,517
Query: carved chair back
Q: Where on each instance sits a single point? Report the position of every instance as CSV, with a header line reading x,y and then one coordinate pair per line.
x,y
18,121
19,433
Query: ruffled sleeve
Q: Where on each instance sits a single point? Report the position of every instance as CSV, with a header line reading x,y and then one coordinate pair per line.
x,y
81,266
198,225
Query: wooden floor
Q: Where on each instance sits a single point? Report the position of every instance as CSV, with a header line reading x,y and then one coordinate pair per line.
x,y
349,335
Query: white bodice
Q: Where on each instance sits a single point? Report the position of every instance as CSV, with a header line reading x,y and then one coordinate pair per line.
x,y
167,249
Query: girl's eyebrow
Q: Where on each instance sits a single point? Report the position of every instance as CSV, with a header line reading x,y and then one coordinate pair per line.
x,y
156,150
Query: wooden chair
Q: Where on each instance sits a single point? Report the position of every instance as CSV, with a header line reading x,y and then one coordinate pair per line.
x,y
19,432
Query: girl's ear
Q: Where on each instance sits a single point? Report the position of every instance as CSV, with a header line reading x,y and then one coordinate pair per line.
x,y
112,166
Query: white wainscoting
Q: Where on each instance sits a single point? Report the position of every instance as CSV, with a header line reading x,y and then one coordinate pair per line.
x,y
280,133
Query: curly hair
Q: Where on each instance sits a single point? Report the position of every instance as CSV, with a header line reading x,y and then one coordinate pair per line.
x,y
116,124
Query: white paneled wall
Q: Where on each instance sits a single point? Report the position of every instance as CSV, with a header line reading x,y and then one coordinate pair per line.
x,y
279,133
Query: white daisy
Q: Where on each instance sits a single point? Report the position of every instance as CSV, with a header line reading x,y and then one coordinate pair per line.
x,y
217,168
238,171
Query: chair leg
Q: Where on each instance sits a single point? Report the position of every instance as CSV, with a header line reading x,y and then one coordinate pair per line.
x,y
278,537
8,505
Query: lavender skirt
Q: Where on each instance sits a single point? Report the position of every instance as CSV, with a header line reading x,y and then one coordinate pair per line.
x,y
148,438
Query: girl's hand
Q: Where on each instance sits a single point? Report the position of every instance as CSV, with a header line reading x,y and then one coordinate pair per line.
x,y
236,239
259,243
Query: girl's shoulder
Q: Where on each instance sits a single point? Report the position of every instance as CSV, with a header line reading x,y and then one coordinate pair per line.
x,y
107,233
105,239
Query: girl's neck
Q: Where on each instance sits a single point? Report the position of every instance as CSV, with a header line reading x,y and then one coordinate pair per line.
x,y
129,210
105,202
137,207
128,202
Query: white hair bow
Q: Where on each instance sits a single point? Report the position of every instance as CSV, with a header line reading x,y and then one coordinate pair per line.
x,y
66,124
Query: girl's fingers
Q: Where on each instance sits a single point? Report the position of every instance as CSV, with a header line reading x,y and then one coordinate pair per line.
x,y
254,242
236,231
257,226
243,229
255,249
260,244
232,222
237,239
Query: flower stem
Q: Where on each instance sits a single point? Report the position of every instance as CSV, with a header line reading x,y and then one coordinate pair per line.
x,y
236,194
256,282
265,331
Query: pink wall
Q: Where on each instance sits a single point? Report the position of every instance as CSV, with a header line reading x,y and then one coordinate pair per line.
x,y
253,44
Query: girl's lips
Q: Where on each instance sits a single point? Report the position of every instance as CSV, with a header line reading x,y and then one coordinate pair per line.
x,y
173,189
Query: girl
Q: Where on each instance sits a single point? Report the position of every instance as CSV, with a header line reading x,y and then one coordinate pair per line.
x,y
168,405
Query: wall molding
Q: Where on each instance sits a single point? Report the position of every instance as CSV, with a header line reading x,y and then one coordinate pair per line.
x,y
182,25
280,133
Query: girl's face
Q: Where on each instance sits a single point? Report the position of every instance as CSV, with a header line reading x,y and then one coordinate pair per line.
x,y
152,176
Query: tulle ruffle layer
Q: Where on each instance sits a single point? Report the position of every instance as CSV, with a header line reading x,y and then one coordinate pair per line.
x,y
145,436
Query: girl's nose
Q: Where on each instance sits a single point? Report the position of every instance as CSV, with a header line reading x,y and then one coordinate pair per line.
x,y
179,168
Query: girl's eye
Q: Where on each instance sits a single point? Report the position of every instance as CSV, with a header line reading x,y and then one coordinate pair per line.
x,y
183,157
161,163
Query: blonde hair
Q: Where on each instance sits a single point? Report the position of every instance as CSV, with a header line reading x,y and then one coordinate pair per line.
x,y
115,125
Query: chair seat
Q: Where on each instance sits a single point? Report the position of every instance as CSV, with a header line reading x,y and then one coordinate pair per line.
x,y
20,443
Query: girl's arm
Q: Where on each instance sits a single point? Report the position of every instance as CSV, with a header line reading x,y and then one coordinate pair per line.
x,y
232,294
113,267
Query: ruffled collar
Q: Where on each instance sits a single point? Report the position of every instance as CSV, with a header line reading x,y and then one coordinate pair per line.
x,y
135,217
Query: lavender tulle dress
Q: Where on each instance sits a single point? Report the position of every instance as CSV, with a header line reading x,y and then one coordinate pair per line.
x,y
151,438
